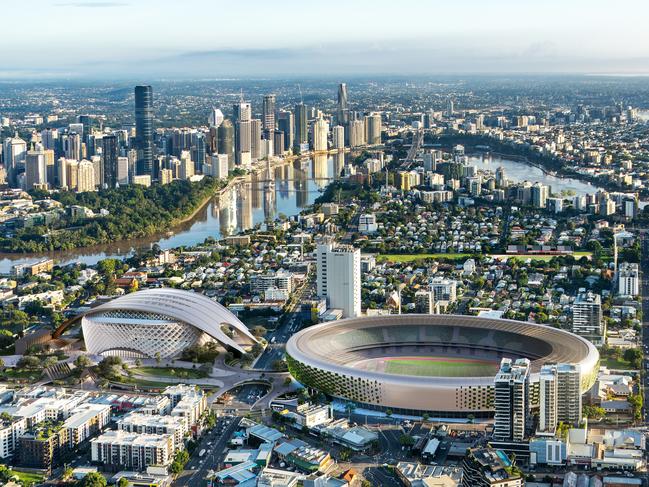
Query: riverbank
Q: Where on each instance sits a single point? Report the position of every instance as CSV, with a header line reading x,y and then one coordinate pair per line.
x,y
234,208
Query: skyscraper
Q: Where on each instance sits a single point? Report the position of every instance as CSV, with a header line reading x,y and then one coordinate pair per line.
x,y
587,315
226,141
301,134
144,129
559,396
373,128
268,112
286,123
511,400
35,167
109,152
343,105
255,138
339,277
320,134
242,133
216,117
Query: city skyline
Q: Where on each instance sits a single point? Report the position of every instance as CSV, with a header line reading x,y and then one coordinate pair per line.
x,y
129,39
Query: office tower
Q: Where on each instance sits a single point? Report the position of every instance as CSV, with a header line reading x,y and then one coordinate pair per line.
x,y
186,165
219,167
320,134
226,141
628,279
450,108
14,153
301,135
242,133
356,133
286,123
540,194
197,149
72,146
49,138
49,164
212,142
339,277
486,467
373,128
72,173
98,166
109,154
122,171
501,178
85,176
268,112
511,400
279,145
255,139
35,167
216,118
587,314
62,172
338,137
343,105
144,129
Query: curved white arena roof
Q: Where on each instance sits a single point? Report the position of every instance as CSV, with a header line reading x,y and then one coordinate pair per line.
x,y
188,307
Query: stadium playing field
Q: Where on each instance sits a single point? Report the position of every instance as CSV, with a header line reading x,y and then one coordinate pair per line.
x,y
431,366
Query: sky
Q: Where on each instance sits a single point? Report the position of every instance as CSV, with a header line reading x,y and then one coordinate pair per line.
x,y
215,38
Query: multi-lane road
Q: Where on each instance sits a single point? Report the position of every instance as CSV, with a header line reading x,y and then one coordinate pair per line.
x,y
644,290
214,443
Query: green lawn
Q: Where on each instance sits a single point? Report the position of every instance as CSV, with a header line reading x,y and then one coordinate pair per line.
x,y
404,258
28,478
615,363
172,372
440,367
398,258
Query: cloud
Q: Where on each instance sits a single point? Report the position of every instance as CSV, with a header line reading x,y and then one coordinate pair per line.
x,y
102,4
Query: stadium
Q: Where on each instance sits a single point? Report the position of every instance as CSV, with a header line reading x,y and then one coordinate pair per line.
x,y
161,321
435,364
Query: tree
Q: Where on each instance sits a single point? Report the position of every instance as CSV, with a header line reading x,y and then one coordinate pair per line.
x,y
634,357
92,479
593,412
123,482
82,361
158,358
406,440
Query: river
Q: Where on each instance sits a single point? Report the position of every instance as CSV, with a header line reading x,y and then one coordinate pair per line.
x,y
296,185
518,171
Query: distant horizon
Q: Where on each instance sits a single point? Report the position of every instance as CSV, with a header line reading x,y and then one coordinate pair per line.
x,y
124,39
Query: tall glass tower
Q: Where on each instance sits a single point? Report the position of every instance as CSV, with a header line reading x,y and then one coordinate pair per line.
x,y
343,105
144,129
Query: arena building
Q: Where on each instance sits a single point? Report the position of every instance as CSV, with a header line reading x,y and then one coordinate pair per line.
x,y
165,321
437,364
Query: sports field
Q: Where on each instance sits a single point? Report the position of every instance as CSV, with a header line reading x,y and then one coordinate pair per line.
x,y
432,366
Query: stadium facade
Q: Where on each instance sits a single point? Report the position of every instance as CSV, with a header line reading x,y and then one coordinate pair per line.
x,y
161,321
438,364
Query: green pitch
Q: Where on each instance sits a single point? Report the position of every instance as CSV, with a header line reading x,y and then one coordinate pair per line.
x,y
440,367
